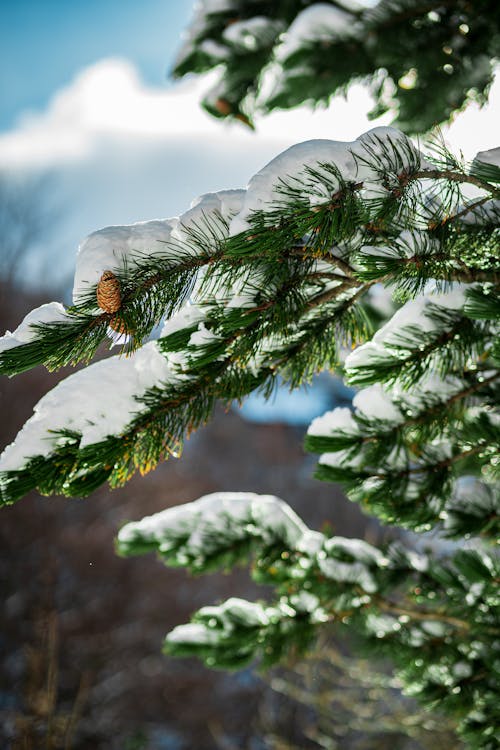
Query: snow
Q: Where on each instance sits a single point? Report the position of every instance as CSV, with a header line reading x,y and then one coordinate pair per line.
x,y
363,557
193,633
187,317
383,150
51,312
337,420
304,601
431,388
341,459
461,670
381,625
215,6
214,49
358,549
318,23
489,157
230,515
406,245
205,208
96,402
261,192
278,520
415,314
113,247
348,157
348,573
236,611
375,403
472,496
381,300
487,213
366,354
252,33
110,248
202,337
310,543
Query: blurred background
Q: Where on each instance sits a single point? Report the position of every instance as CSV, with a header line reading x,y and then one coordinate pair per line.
x,y
92,133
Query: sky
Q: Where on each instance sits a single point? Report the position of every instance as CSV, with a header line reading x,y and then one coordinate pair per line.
x,y
44,43
85,96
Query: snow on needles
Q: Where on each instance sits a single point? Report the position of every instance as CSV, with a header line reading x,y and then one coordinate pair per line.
x,y
356,161
319,22
112,385
190,534
415,314
95,402
192,529
51,312
118,246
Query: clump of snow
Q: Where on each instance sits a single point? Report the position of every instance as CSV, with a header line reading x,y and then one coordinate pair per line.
x,y
187,317
112,247
375,402
320,22
381,299
341,459
415,314
432,389
337,420
335,562
407,245
202,337
310,543
356,549
200,525
51,312
236,612
383,152
486,213
206,208
252,33
213,49
261,191
215,6
492,156
96,402
472,496
366,354
193,633
355,161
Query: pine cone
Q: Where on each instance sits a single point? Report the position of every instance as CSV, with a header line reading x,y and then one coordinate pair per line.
x,y
223,106
109,297
118,324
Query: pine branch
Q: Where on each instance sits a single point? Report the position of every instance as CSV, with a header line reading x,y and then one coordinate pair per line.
x,y
319,580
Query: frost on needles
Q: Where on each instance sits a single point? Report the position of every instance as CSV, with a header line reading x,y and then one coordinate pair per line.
x,y
275,281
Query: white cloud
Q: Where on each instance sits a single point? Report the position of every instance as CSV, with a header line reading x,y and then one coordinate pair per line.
x,y
109,98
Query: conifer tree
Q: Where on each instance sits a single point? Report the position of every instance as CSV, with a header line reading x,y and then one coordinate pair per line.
x,y
408,52
272,282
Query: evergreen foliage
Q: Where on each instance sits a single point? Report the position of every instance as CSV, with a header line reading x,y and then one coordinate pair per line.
x,y
421,60
276,281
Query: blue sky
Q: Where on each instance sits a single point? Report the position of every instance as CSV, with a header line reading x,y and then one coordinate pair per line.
x,y
44,43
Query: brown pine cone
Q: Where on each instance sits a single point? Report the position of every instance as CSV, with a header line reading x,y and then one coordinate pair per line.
x,y
109,296
118,324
